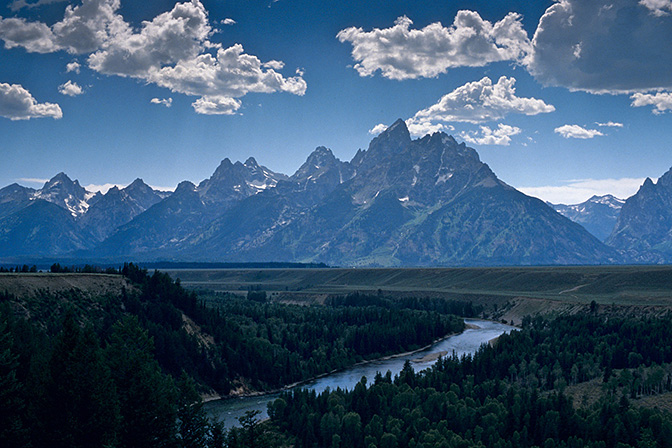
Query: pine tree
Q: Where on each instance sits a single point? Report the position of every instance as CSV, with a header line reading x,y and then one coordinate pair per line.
x,y
12,433
193,422
146,395
82,406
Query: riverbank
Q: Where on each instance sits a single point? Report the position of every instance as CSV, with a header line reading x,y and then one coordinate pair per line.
x,y
240,392
229,410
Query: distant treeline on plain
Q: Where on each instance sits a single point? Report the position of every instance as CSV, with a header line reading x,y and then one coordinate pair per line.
x,y
252,265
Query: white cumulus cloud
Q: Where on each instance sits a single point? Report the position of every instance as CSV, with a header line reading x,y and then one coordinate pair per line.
x,y
500,136
170,37
167,102
70,89
603,46
576,131
172,50
658,7
661,101
72,67
420,128
610,124
83,29
228,21
231,73
216,105
377,129
479,102
400,52
35,37
16,103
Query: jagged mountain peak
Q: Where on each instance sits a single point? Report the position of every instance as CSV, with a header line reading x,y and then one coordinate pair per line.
x,y
224,171
322,171
139,188
357,159
448,145
61,181
423,171
185,186
397,126
137,183
14,197
321,156
666,179
60,177
322,150
444,138
66,193
119,206
395,136
234,181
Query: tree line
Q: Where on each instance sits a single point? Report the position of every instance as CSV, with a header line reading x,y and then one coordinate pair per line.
x,y
18,269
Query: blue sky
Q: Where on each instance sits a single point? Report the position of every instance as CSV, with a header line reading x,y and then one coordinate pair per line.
x,y
562,99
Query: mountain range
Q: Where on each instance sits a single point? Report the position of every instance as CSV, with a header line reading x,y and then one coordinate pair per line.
x,y
401,202
598,214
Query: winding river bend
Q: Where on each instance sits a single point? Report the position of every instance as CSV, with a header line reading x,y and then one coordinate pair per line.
x,y
228,410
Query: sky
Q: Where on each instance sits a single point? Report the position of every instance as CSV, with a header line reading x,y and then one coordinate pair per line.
x,y
562,99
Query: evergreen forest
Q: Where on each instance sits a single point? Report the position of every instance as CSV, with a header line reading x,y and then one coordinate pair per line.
x,y
128,369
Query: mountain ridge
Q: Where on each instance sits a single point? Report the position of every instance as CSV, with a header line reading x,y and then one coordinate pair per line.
x,y
598,214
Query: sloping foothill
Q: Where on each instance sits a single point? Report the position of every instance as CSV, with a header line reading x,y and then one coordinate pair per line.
x,y
30,284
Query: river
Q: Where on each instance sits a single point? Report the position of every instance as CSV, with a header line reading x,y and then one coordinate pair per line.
x,y
228,410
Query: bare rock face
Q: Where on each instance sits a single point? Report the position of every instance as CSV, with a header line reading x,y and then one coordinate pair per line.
x,y
644,227
118,207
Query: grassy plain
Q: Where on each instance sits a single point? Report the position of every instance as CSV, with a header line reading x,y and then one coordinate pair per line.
x,y
507,293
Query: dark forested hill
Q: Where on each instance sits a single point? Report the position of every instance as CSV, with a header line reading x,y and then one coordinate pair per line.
x,y
120,359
